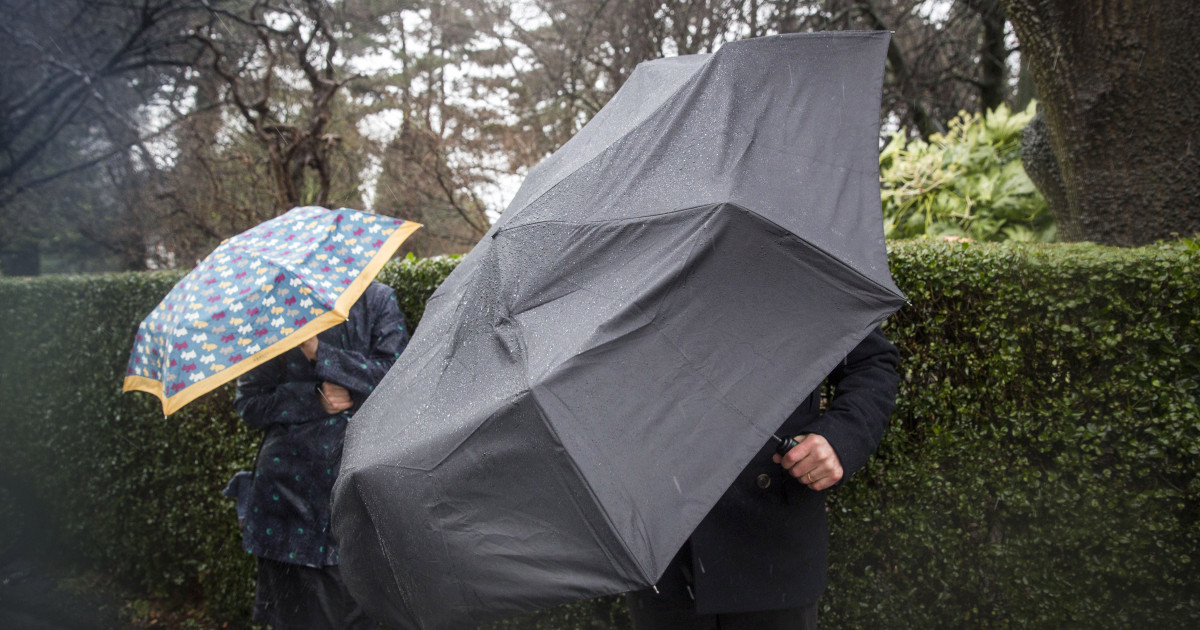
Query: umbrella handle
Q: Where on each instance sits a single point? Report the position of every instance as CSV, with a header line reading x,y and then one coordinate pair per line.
x,y
785,444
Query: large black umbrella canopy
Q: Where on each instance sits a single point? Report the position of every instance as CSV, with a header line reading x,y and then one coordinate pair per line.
x,y
663,291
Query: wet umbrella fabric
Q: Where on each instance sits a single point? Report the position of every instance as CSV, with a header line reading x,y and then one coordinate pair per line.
x,y
256,296
661,294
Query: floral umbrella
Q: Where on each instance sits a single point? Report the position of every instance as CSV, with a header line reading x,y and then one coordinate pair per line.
x,y
256,296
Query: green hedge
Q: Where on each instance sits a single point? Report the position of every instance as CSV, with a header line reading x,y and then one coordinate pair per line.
x,y
1043,465
134,493
1042,470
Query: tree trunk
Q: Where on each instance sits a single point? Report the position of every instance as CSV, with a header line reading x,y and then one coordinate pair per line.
x,y
1119,85
993,55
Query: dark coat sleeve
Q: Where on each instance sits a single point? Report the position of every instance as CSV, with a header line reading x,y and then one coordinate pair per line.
x,y
864,394
360,369
265,397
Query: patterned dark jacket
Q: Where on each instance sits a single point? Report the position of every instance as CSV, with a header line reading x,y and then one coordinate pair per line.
x,y
286,506
764,544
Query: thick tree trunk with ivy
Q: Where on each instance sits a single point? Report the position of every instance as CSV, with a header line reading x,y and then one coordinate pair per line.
x,y
1119,87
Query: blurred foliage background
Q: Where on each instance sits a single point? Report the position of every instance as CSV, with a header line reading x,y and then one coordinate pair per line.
x,y
965,183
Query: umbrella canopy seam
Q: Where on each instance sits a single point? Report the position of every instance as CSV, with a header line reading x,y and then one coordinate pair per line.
x,y
729,204
608,519
550,427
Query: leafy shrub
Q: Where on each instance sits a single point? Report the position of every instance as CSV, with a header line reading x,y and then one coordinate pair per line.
x,y
966,183
414,280
1042,469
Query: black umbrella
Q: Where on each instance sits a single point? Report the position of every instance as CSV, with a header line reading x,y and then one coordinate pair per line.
x,y
661,294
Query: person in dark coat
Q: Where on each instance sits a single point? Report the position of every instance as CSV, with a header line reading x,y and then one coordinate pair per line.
x,y
303,400
758,559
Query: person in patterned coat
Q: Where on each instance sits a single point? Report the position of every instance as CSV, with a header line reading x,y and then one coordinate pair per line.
x,y
303,400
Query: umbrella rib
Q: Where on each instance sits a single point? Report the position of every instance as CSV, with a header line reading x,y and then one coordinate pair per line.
x,y
608,520
817,248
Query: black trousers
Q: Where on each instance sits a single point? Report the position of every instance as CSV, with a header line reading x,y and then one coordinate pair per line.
x,y
654,612
294,597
